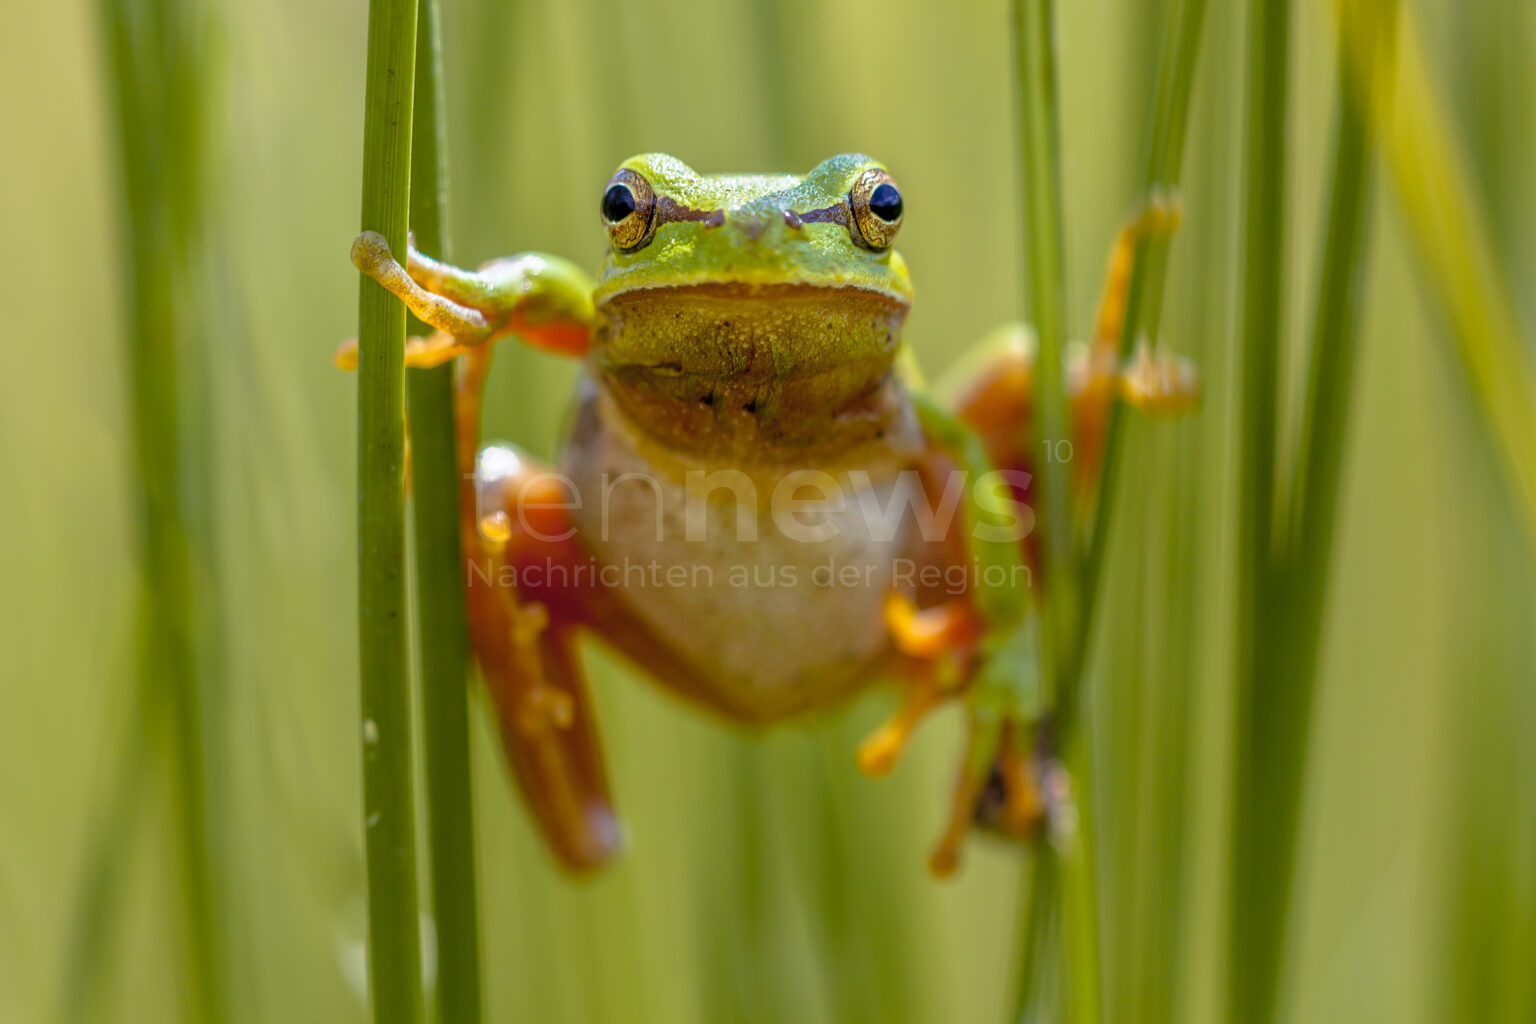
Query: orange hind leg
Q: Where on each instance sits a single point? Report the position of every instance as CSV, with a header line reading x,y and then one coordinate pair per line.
x,y
1007,783
996,397
524,613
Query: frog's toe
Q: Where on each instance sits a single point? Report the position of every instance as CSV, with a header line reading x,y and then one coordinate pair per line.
x,y
1012,802
879,754
346,355
1160,215
370,253
1004,789
1160,384
982,743
936,645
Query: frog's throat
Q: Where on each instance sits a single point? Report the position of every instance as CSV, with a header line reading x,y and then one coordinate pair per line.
x,y
765,373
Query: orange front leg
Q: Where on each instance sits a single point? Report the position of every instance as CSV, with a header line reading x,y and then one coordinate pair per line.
x,y
942,652
543,300
973,647
522,628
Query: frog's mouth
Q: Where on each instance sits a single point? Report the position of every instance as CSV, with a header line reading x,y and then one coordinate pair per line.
x,y
790,362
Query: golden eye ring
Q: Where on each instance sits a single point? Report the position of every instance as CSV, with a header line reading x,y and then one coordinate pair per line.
x,y
876,205
629,211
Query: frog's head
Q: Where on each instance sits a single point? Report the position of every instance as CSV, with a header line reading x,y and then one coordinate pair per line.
x,y
671,227
774,296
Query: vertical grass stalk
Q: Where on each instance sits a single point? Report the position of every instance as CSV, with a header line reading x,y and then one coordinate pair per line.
x,y
1038,998
443,647
394,945
1454,245
1335,340
1045,279
109,855
159,58
1164,157
1259,868
1143,310
1281,703
1045,287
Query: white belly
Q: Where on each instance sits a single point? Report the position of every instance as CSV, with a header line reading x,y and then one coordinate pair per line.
x,y
776,606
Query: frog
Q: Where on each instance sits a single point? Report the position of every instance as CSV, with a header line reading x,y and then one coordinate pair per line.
x,y
754,504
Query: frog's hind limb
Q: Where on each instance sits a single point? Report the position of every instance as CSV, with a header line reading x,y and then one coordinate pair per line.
x,y
979,648
992,387
517,540
548,728
1153,382
533,591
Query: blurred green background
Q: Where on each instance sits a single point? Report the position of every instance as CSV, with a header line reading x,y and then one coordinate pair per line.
x,y
766,880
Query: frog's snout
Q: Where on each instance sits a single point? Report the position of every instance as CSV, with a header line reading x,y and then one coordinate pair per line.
x,y
753,224
780,225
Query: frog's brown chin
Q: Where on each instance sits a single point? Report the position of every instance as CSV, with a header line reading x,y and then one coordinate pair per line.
x,y
754,374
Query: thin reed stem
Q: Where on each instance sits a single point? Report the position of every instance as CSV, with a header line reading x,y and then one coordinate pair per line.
x,y
1045,289
1335,341
1283,713
159,57
1143,309
1045,279
1261,840
394,945
444,646
1038,995
1454,245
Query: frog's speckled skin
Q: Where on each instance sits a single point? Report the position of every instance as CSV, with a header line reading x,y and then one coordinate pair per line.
x,y
743,326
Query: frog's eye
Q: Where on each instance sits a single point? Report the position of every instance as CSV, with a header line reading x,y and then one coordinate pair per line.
x,y
876,204
629,207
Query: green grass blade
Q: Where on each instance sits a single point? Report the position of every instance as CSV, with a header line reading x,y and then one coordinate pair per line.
x,y
158,52
1165,156
108,856
1045,288
1335,338
1453,244
1045,278
1038,997
394,945
443,648
1256,909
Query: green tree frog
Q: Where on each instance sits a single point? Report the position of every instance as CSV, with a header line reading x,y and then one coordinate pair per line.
x,y
758,504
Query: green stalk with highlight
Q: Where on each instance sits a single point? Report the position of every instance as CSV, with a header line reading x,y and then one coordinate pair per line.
x,y
394,944
1143,304
444,632
1045,278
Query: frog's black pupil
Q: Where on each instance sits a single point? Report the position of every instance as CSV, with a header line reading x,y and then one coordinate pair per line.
x,y
885,203
618,203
